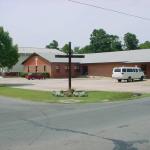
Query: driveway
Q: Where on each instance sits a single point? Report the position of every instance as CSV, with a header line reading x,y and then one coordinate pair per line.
x,y
108,126
101,83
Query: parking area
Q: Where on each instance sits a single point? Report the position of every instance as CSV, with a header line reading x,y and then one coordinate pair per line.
x,y
94,84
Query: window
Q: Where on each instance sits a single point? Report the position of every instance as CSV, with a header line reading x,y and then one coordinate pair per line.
x,y
36,68
129,70
57,68
77,68
28,69
124,70
66,68
134,70
117,70
44,68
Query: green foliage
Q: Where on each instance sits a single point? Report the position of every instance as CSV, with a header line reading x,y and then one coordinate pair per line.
x,y
86,49
8,52
65,49
45,74
53,45
145,45
23,74
115,44
130,41
100,41
76,50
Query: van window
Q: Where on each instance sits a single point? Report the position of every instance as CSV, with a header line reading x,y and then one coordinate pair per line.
x,y
136,70
140,70
117,70
129,70
123,70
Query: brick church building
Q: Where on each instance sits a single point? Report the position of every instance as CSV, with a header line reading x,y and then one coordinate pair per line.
x,y
95,64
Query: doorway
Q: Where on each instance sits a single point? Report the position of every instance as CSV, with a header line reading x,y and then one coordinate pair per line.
x,y
84,70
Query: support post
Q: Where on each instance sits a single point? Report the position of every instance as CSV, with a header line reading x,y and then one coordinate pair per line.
x,y
69,71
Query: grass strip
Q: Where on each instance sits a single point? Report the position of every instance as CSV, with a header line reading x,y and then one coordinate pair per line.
x,y
45,96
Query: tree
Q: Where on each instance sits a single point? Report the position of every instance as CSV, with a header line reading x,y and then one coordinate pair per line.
x,y
86,49
145,45
115,44
53,45
130,41
76,50
100,41
8,52
65,49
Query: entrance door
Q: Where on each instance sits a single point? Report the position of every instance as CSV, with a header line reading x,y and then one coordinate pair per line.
x,y
144,68
84,70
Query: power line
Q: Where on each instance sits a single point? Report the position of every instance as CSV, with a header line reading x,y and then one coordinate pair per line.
x,y
108,9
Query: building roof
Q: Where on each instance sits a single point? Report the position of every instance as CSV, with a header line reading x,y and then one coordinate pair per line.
x,y
30,50
130,56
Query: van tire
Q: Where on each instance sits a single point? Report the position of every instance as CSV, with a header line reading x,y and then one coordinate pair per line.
x,y
129,79
141,79
119,80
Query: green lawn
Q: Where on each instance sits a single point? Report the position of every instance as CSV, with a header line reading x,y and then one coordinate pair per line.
x,y
42,96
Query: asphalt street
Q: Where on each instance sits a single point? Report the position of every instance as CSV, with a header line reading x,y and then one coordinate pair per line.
x,y
106,126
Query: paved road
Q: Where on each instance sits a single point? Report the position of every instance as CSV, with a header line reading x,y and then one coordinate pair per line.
x,y
107,126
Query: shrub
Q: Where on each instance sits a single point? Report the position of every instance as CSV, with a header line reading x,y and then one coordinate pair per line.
x,y
23,74
45,74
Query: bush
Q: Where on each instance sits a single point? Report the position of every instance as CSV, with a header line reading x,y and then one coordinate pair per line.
x,y
11,74
46,74
23,74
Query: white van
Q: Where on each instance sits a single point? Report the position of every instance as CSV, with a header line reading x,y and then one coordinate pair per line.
x,y
127,73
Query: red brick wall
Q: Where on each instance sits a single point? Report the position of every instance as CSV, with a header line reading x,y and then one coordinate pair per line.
x,y
31,63
105,69
59,70
148,70
56,70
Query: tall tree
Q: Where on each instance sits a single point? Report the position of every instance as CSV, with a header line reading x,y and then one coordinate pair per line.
x,y
145,45
115,43
130,41
65,48
8,52
53,45
86,49
76,50
100,41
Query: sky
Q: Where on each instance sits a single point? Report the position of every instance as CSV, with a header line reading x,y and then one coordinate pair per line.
x,y
35,23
